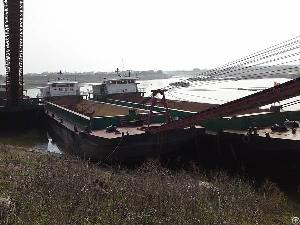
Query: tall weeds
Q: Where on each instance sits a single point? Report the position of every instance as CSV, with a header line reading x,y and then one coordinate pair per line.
x,y
46,189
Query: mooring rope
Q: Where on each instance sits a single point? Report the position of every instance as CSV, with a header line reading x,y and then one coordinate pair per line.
x,y
113,151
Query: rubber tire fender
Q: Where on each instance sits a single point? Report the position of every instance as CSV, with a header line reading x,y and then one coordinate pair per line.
x,y
246,138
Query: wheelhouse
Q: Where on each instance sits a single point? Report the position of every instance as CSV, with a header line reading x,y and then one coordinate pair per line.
x,y
115,86
60,88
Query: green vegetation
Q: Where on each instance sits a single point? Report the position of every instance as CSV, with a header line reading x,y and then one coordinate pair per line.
x,y
43,189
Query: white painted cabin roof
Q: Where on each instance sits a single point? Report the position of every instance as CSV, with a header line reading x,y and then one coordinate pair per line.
x,y
123,78
63,82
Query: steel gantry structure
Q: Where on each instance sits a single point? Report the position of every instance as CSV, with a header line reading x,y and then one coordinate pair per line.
x,y
13,26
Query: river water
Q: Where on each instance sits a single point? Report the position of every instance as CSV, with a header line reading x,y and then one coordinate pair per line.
x,y
36,139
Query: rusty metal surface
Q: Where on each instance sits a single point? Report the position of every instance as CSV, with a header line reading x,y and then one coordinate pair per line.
x,y
93,108
13,26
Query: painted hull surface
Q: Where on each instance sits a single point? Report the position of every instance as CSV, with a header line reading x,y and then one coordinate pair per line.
x,y
261,153
126,149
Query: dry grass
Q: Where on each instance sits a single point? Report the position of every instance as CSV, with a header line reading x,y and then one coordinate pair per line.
x,y
44,189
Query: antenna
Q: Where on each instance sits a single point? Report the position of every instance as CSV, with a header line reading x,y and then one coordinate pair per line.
x,y
122,64
117,71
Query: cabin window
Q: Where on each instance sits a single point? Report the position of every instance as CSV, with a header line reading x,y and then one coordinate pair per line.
x,y
130,81
113,82
62,85
124,81
71,85
60,89
53,85
119,82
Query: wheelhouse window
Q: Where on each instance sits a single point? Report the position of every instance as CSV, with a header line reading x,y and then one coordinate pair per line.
x,y
62,85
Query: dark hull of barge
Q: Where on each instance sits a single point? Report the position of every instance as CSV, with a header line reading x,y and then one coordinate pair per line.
x,y
257,151
21,117
261,157
233,151
127,149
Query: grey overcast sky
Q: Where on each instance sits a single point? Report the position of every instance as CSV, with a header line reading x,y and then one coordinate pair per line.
x,y
95,35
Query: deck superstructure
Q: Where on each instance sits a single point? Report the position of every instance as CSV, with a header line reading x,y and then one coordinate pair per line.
x,y
60,88
121,85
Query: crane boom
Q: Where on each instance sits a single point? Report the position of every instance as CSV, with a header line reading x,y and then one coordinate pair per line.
x,y
274,94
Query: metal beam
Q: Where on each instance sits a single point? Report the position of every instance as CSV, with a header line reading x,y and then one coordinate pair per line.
x,y
277,93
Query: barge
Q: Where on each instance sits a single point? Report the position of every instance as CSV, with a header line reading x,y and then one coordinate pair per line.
x,y
114,133
27,113
103,130
81,126
253,141
116,127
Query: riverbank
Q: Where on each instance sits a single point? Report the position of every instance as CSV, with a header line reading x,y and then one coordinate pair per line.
x,y
38,188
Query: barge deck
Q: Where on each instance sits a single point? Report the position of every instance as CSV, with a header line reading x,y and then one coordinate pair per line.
x,y
128,142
